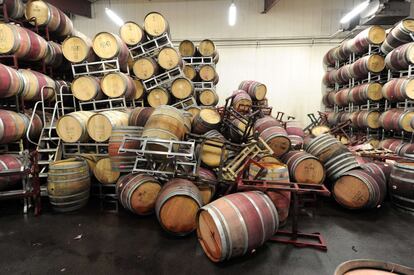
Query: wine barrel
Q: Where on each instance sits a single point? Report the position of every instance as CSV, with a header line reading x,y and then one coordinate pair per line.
x,y
208,119
68,184
372,267
78,49
320,130
303,167
236,224
158,97
373,35
131,33
329,77
208,97
194,111
33,83
275,172
256,90
12,126
328,99
169,58
208,73
100,125
54,55
145,68
10,162
294,128
110,46
398,35
11,83
182,88
166,122
368,119
406,150
123,162
368,91
207,47
118,84
342,97
156,25
337,159
241,101
139,89
177,205
397,120
401,185
329,58
212,150
72,127
296,142
399,89
15,8
104,173
139,116
22,43
138,193
401,57
265,122
380,169
44,14
276,138
207,184
66,26
86,88
359,189
373,63
189,72
187,48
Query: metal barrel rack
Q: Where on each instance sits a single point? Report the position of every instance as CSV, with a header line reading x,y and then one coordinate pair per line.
x,y
293,236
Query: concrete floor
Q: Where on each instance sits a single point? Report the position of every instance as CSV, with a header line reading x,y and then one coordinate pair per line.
x,y
123,243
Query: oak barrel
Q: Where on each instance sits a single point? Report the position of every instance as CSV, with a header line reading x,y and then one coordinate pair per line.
x,y
169,58
399,89
10,162
187,48
242,102
12,126
207,47
123,162
54,55
177,205
73,126
11,82
33,84
401,57
15,8
182,88
208,97
236,224
100,125
139,116
156,25
397,120
208,73
371,267
118,84
138,193
86,88
110,46
293,127
368,91
78,49
255,89
265,122
44,14
158,97
189,72
68,184
213,148
132,33
208,119
145,68
104,173
359,189
401,185
276,138
398,35
304,167
206,184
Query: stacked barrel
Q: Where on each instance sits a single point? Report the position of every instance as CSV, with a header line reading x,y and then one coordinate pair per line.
x,y
200,67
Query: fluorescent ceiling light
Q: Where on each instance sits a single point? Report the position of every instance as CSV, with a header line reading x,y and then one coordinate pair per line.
x,y
357,10
114,17
232,14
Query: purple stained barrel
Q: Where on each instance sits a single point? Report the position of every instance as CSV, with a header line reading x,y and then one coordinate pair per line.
x,y
10,162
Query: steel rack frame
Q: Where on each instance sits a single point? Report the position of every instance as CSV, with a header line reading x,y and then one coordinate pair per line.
x,y
151,47
163,79
75,149
185,103
199,61
97,68
119,103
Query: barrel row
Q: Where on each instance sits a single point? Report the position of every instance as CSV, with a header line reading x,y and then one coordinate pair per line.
x,y
399,35
206,48
205,72
373,63
358,45
398,146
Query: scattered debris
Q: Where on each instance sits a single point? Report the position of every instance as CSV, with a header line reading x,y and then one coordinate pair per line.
x,y
78,237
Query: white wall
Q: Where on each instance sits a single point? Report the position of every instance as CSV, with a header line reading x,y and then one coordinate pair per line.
x,y
283,48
